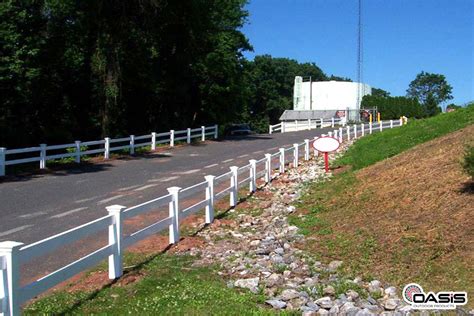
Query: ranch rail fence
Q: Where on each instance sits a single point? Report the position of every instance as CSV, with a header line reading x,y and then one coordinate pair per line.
x,y
301,125
14,254
105,146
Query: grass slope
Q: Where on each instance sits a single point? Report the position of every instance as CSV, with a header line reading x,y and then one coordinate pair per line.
x,y
379,146
404,219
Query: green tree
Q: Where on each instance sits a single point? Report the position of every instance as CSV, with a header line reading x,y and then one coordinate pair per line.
x,y
394,107
380,93
430,90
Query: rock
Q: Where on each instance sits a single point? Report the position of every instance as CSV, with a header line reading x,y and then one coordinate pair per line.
x,y
251,284
364,312
391,304
312,306
290,209
286,246
262,252
371,300
323,312
289,294
334,265
391,291
374,286
346,306
357,280
352,295
279,251
325,302
310,282
255,243
308,312
273,280
334,310
276,304
329,290
286,273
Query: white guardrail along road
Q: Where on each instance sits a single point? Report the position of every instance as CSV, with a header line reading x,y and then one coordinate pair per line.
x,y
14,254
43,152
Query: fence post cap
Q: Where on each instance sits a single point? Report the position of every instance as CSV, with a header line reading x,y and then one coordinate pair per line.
x,y
295,145
268,155
43,145
115,208
203,126
234,168
77,141
173,190
281,149
9,246
209,177
107,138
3,148
306,140
153,133
253,161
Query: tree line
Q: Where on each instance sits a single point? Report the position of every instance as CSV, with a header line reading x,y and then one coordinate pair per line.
x,y
88,69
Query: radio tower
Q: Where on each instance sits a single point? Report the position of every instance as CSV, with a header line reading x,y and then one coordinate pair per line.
x,y
360,56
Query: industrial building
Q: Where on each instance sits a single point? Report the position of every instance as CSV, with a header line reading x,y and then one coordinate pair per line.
x,y
326,100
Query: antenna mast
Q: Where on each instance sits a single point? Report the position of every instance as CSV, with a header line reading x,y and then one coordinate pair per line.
x,y
360,56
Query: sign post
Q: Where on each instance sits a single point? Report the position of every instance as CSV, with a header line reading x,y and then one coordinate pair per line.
x,y
326,144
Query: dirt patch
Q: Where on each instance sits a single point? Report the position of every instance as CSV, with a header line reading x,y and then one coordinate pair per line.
x,y
187,243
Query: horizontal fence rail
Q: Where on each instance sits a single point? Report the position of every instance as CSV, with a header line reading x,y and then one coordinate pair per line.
x,y
302,125
76,150
14,254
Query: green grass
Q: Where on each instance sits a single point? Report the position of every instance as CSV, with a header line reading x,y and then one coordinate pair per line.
x,y
170,286
376,147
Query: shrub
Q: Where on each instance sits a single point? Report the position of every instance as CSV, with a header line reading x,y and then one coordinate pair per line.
x,y
468,162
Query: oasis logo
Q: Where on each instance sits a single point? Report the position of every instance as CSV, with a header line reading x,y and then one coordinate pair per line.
x,y
413,294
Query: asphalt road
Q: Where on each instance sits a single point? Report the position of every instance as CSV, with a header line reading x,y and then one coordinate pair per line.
x,y
33,208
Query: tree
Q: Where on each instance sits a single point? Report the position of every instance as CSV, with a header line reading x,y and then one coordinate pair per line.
x,y
431,90
380,93
394,107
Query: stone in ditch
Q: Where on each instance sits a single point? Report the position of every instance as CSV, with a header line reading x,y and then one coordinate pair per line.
x,y
334,310
289,294
352,295
324,302
273,279
307,312
391,304
276,304
250,284
391,291
334,265
312,306
329,290
364,312
255,243
280,251
323,312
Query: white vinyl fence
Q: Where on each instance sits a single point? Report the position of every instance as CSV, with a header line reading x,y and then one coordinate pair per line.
x,y
301,125
14,254
43,152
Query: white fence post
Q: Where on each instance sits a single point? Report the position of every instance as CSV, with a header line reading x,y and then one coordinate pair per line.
x,y
340,135
381,125
315,152
401,121
309,124
253,175
268,168
306,149
107,148
322,121
78,151
174,213
203,133
153,141
132,144
330,134
335,134
295,155
370,127
234,183
11,277
296,125
188,135
43,156
362,129
2,160
270,129
216,131
282,160
283,126
348,133
355,130
172,137
391,123
332,121
210,199
115,238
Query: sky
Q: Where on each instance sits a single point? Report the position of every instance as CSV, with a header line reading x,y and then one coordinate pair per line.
x,y
401,38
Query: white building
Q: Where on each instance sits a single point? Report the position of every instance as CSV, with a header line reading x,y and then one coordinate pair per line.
x,y
326,99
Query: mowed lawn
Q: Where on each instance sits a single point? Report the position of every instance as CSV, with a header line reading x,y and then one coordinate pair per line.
x,y
409,218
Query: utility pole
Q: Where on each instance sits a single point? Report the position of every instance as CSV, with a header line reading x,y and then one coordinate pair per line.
x,y
360,56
